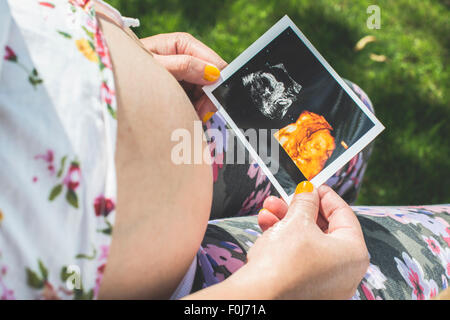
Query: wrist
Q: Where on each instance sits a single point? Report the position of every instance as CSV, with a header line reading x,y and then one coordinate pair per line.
x,y
244,284
250,284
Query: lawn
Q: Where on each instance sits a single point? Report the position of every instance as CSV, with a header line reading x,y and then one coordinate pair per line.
x,y
410,89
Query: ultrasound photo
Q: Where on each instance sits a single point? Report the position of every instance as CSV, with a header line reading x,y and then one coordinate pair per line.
x,y
281,82
272,90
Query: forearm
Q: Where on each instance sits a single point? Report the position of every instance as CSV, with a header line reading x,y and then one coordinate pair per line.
x,y
242,285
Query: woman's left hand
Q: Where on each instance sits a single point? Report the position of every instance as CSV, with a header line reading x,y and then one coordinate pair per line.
x,y
191,62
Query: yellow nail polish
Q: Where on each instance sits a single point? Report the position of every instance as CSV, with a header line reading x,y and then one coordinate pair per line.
x,y
207,116
304,186
211,73
261,210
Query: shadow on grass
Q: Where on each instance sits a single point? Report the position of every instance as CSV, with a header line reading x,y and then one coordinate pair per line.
x,y
398,173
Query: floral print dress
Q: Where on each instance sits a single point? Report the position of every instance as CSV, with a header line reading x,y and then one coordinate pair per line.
x,y
57,114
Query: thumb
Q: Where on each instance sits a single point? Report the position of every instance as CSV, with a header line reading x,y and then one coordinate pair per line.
x,y
305,203
189,68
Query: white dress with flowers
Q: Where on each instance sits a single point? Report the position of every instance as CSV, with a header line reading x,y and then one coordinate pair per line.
x,y
57,142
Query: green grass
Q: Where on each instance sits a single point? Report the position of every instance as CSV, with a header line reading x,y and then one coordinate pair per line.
x,y
410,90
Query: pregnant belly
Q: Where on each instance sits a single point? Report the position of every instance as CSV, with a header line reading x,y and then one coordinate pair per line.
x,y
162,207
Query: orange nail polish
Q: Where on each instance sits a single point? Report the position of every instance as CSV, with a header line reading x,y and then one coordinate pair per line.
x,y
207,116
304,186
211,73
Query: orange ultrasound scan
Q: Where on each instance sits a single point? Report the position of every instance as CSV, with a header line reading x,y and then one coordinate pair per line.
x,y
308,142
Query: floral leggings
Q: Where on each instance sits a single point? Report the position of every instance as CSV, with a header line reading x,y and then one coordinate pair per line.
x,y
409,246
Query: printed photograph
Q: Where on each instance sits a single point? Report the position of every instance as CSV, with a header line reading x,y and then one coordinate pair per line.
x,y
284,86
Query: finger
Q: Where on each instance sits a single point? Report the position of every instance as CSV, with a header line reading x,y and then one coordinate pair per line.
x,y
276,205
266,219
182,43
304,204
341,219
188,68
205,108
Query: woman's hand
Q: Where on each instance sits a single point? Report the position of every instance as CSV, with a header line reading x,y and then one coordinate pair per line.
x,y
190,62
313,249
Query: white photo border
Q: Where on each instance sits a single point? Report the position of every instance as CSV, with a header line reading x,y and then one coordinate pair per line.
x,y
246,56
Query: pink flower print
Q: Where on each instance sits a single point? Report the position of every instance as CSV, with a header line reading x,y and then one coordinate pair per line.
x,y
71,180
101,269
413,274
446,261
98,279
447,239
47,157
80,3
368,292
73,176
255,171
47,4
223,258
10,55
254,201
104,252
418,288
49,293
103,206
106,94
7,294
433,289
443,254
33,75
433,245
446,236
102,49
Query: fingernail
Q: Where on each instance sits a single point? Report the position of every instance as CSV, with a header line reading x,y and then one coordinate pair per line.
x,y
211,73
207,116
304,186
261,210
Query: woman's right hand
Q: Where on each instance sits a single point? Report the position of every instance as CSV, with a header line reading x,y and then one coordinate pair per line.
x,y
313,249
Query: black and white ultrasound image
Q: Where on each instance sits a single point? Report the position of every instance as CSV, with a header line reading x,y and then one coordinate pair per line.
x,y
272,90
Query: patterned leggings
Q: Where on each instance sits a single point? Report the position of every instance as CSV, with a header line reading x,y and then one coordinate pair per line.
x,y
408,246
